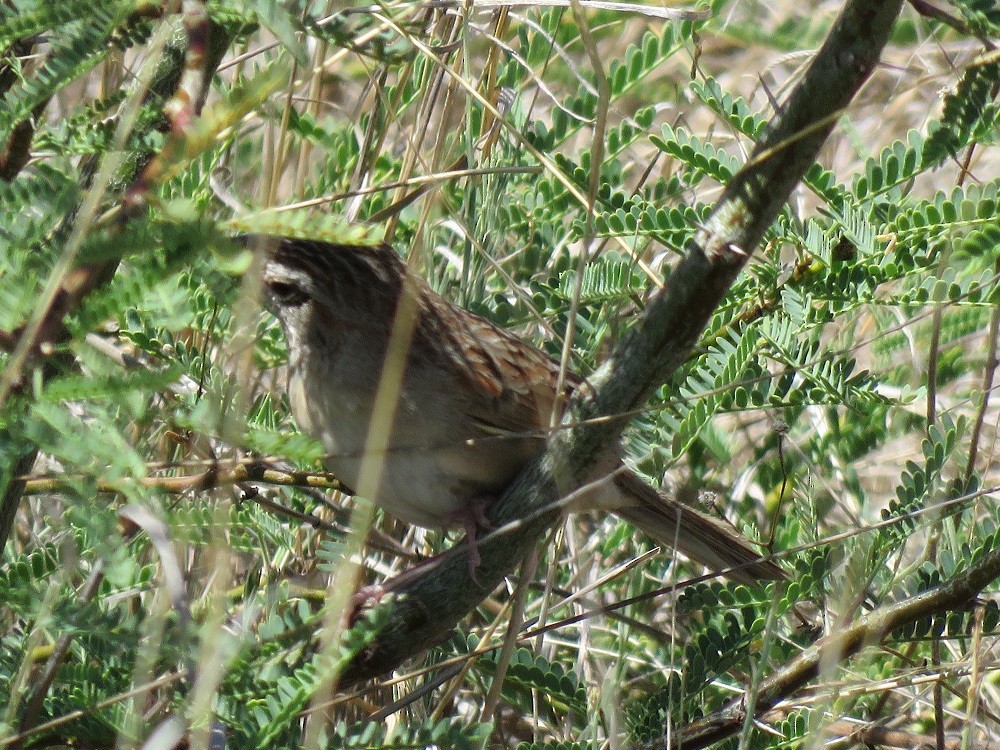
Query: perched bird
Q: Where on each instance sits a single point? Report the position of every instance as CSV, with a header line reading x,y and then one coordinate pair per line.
x,y
473,409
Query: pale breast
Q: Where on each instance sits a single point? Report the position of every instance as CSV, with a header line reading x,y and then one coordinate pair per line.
x,y
450,447
430,471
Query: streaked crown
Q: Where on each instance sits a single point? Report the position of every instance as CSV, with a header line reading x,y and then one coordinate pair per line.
x,y
300,272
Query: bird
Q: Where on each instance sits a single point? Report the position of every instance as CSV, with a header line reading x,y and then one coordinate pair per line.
x,y
474,405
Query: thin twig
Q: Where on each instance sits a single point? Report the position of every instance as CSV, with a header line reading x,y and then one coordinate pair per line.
x,y
867,630
989,373
219,474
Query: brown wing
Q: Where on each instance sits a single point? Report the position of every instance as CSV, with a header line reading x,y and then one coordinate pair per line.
x,y
509,384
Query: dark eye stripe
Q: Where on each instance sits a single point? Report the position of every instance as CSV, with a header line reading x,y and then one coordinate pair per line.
x,y
287,294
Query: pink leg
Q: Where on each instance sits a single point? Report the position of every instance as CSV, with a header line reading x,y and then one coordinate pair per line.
x,y
472,518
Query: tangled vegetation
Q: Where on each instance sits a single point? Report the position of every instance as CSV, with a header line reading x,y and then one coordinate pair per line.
x,y
172,547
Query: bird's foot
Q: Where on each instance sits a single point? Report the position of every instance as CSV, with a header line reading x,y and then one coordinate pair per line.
x,y
473,518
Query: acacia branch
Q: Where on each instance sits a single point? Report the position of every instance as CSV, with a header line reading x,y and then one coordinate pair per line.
x,y
661,341
868,630
218,474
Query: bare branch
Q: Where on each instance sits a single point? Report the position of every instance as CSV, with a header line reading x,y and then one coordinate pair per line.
x,y
661,341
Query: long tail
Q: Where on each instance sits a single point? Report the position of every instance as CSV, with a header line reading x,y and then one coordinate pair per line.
x,y
699,536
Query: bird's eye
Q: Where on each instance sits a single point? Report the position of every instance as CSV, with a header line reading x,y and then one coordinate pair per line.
x,y
287,294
